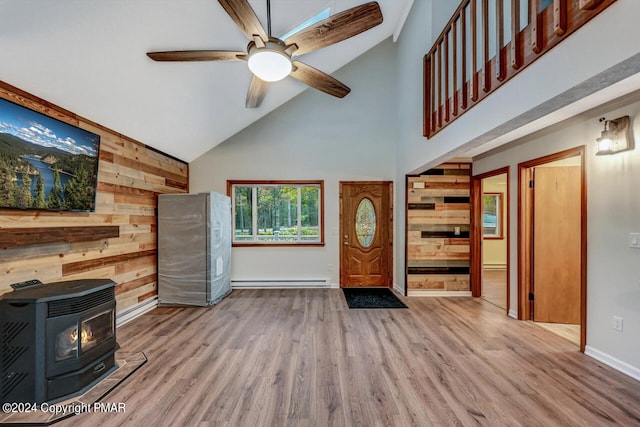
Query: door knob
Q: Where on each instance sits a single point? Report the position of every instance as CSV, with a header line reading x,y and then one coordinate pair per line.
x,y
346,243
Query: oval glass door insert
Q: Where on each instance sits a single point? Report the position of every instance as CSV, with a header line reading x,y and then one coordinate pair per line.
x,y
365,223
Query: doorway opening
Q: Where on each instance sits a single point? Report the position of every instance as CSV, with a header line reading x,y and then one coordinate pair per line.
x,y
494,240
552,243
491,237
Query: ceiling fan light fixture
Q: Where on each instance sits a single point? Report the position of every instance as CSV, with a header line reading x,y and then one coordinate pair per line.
x,y
269,63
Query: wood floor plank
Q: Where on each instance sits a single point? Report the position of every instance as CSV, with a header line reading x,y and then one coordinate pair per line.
x,y
302,358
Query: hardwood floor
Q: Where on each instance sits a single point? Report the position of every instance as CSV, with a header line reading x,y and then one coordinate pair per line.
x,y
494,287
565,330
494,290
302,358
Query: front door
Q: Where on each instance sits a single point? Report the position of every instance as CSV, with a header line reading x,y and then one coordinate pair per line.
x,y
366,243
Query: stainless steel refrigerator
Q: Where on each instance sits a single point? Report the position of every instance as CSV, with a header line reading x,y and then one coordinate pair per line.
x,y
194,248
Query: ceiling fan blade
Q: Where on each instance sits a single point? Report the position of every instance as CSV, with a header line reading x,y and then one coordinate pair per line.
x,y
319,80
197,55
256,93
245,18
336,28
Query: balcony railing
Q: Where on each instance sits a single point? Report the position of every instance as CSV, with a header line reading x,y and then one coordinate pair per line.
x,y
487,42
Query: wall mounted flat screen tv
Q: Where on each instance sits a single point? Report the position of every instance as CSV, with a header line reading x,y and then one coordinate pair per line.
x,y
45,163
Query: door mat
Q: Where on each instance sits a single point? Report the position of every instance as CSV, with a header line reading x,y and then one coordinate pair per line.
x,y
44,415
372,298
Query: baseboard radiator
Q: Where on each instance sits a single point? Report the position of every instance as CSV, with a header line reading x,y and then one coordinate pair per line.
x,y
281,283
136,311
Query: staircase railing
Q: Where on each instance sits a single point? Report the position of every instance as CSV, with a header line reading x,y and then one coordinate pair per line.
x,y
486,43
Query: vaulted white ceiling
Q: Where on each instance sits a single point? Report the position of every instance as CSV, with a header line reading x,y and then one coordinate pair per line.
x,y
88,56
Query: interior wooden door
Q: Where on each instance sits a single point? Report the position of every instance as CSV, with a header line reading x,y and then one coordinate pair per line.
x,y
557,244
365,234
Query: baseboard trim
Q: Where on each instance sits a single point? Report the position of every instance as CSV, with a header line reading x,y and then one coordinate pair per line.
x,y
398,289
613,362
494,267
427,293
136,311
284,284
513,314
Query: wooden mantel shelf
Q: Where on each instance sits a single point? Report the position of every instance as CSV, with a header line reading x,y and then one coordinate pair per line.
x,y
13,237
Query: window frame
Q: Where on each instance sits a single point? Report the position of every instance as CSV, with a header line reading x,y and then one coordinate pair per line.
x,y
264,183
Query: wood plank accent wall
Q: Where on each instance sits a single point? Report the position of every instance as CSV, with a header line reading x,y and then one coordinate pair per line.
x,y
438,201
130,177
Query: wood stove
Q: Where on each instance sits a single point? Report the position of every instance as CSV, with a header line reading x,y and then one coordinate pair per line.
x,y
56,340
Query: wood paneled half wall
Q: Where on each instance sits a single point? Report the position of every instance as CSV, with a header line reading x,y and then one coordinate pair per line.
x,y
117,241
438,226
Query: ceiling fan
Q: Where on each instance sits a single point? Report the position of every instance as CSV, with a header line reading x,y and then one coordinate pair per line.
x,y
271,59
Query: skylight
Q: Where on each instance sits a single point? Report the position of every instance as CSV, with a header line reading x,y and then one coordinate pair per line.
x,y
319,17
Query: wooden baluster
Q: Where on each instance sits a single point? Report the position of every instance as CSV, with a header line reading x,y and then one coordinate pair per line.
x,y
559,16
486,74
433,71
447,110
536,26
500,69
428,95
587,4
463,43
454,53
473,83
440,83
515,34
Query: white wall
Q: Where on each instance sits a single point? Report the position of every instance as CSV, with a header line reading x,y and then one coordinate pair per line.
x,y
413,43
613,269
314,136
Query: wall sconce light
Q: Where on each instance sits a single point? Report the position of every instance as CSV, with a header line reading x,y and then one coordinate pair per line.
x,y
615,137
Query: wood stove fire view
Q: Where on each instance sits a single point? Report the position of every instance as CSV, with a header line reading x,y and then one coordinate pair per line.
x,y
56,340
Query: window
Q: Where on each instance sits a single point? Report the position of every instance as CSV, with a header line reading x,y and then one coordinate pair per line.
x,y
277,212
492,215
